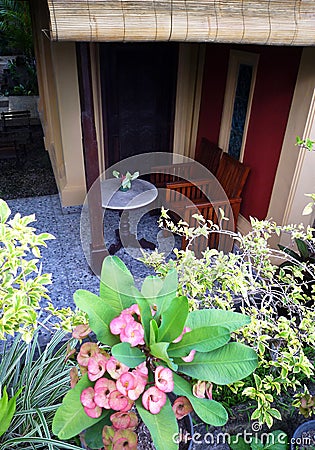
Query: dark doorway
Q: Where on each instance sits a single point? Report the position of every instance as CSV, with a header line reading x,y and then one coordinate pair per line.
x,y
138,94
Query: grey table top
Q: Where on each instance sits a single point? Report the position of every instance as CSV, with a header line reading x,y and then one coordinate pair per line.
x,y
140,194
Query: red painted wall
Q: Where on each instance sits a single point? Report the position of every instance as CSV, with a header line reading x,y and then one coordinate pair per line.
x,y
275,82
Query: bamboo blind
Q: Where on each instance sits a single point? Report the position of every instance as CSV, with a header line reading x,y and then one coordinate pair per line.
x,y
288,22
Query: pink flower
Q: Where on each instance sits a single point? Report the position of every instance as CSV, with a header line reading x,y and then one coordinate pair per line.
x,y
115,368
96,366
181,407
190,357
142,370
180,337
140,385
125,439
153,400
89,405
124,420
133,333
87,397
133,309
103,387
86,351
199,389
164,379
107,436
118,324
74,377
126,382
119,402
81,331
209,387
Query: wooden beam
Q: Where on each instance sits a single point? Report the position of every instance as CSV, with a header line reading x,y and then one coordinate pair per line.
x,y
90,153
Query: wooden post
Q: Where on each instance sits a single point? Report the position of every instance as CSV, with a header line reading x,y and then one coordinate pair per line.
x,y
90,153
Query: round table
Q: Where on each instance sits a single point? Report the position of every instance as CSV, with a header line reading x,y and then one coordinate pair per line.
x,y
140,194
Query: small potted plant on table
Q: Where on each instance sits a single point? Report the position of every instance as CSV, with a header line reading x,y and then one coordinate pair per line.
x,y
125,179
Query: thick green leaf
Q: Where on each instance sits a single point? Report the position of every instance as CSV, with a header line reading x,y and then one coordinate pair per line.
x,y
278,440
153,332
303,249
167,293
9,413
159,350
209,411
145,312
3,403
151,288
93,436
130,356
70,418
100,315
225,365
209,317
173,319
163,426
238,443
204,339
116,284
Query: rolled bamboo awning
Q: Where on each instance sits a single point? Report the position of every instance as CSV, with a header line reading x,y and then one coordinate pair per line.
x,y
278,22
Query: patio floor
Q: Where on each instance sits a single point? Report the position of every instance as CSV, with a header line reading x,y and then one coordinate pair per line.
x,y
64,257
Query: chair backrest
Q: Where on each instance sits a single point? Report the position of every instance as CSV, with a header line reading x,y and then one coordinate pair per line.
x,y
232,175
208,154
211,211
197,191
160,175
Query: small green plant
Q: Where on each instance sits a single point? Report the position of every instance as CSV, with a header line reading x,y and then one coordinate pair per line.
x,y
22,285
149,345
7,409
126,179
275,440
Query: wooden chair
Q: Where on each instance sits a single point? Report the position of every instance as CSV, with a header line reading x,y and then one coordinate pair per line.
x,y
231,175
207,154
17,120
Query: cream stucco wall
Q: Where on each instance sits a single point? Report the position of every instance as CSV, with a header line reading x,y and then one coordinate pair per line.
x,y
72,186
59,107
296,169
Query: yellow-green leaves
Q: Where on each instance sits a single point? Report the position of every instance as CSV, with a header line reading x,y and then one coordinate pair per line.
x,y
7,410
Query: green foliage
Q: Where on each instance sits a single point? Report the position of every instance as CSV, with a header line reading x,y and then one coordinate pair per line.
x,y
7,410
163,318
15,24
21,77
22,285
39,377
279,301
275,440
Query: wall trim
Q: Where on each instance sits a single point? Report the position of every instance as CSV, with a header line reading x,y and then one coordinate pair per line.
x,y
236,58
188,98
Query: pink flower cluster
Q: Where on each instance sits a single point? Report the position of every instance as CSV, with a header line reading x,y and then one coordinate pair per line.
x,y
155,397
117,392
127,327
